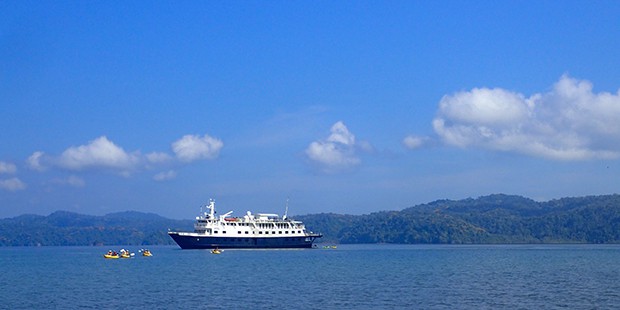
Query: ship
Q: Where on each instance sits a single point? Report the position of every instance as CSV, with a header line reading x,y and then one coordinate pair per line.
x,y
252,231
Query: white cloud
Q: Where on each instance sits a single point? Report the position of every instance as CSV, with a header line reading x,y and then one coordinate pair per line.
x,y
12,184
99,153
338,151
485,106
414,142
34,161
194,147
7,168
164,176
340,134
569,122
158,157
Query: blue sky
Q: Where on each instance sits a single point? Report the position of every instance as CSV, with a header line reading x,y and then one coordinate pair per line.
x,y
345,107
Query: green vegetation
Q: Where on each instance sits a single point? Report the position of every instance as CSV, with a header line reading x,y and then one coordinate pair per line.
x,y
67,228
489,219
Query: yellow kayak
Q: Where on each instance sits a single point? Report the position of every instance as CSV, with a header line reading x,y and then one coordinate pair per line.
x,y
145,253
126,254
216,251
111,256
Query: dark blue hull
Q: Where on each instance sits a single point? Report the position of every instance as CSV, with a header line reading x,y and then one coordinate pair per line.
x,y
206,242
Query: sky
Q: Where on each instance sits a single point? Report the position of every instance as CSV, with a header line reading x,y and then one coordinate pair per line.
x,y
347,107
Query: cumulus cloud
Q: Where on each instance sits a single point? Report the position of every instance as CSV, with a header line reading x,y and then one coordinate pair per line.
x,y
12,184
193,147
338,151
164,176
340,134
570,122
7,168
100,152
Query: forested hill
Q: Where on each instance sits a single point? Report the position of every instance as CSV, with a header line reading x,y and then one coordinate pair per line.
x,y
490,219
68,228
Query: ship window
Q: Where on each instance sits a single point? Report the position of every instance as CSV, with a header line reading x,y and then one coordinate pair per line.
x,y
239,232
260,232
224,232
246,232
286,232
215,232
280,232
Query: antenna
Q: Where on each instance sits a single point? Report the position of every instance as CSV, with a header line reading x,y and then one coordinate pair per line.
x,y
285,210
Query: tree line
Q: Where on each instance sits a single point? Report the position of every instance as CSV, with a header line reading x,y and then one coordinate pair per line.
x,y
495,218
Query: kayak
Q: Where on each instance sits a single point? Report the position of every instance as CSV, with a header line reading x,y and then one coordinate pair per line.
x,y
110,256
126,254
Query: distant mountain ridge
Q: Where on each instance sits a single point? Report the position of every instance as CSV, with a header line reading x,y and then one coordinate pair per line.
x,y
69,228
496,218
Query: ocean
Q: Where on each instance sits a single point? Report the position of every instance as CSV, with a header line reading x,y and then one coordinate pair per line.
x,y
347,277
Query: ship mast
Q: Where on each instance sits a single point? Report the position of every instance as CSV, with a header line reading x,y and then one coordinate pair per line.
x,y
211,208
285,210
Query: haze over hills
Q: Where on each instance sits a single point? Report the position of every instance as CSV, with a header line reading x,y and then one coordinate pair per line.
x,y
495,218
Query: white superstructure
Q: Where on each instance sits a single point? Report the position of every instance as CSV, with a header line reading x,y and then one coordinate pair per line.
x,y
250,225
261,230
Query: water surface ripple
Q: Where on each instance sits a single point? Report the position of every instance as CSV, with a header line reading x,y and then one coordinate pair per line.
x,y
349,277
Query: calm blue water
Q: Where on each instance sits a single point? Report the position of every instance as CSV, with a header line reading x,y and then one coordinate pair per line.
x,y
349,277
